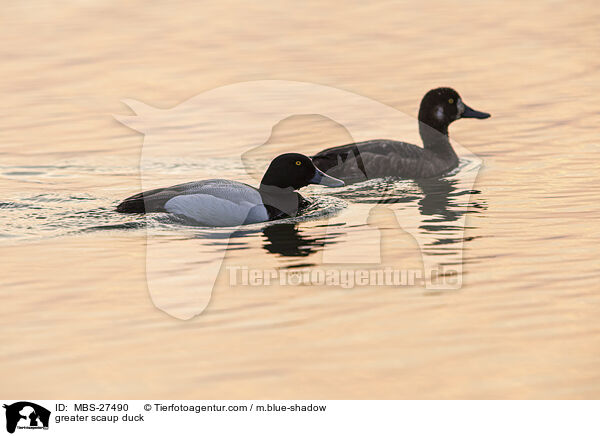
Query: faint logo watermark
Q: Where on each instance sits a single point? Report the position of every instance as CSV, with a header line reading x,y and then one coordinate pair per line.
x,y
218,130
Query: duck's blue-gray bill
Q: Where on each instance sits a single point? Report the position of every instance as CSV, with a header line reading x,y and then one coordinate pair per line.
x,y
320,178
472,113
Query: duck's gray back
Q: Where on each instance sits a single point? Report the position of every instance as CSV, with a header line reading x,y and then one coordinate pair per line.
x,y
155,199
381,158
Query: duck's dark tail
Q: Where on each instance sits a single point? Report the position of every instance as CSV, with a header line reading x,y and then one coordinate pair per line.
x,y
333,157
132,205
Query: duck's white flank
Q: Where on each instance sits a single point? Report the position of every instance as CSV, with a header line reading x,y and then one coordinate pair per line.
x,y
211,210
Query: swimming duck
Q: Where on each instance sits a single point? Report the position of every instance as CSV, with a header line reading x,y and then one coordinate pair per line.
x,y
218,202
384,157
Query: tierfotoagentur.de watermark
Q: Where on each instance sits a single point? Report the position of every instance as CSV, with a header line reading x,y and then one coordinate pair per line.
x,y
338,277
219,128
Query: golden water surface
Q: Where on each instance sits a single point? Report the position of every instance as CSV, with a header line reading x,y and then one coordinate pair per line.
x,y
77,319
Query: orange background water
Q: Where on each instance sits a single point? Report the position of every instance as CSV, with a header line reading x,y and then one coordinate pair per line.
x,y
76,320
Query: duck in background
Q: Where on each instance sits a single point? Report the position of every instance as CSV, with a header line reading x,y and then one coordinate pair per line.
x,y
226,203
383,157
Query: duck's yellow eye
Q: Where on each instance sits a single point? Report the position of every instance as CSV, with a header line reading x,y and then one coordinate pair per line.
x,y
298,163
451,100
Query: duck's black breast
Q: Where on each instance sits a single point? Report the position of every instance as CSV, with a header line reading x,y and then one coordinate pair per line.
x,y
283,206
381,158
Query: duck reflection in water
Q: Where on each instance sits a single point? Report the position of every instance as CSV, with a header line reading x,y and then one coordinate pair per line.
x,y
286,239
438,197
442,198
443,204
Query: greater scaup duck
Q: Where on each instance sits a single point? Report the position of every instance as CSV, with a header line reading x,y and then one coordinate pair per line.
x,y
218,202
384,157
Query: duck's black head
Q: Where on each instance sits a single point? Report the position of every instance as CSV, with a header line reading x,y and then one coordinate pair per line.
x,y
294,170
442,106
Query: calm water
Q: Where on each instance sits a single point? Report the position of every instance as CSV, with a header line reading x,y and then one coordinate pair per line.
x,y
518,220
